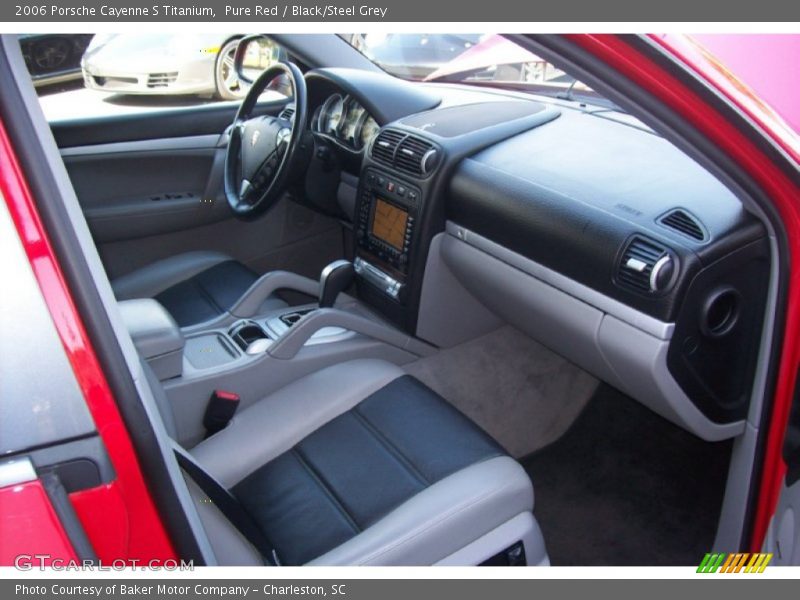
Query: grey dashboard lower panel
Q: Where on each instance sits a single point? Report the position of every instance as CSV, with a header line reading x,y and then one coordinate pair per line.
x,y
625,348
640,320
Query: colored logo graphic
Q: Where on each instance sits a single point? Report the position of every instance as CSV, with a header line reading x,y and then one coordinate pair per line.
x,y
739,562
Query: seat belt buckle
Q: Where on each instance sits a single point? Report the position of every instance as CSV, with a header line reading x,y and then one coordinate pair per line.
x,y
220,410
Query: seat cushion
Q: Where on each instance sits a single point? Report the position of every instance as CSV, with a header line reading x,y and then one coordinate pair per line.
x,y
194,287
358,463
351,472
207,294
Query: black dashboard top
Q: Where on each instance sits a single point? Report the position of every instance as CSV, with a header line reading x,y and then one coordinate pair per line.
x,y
454,121
385,97
573,193
625,171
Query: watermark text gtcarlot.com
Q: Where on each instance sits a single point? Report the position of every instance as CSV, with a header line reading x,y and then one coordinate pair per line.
x,y
30,562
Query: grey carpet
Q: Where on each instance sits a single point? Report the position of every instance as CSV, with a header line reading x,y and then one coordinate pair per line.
x,y
520,392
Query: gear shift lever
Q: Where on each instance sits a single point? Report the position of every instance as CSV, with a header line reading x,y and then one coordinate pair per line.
x,y
335,278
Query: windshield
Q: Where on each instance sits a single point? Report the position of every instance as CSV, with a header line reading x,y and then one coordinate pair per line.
x,y
479,59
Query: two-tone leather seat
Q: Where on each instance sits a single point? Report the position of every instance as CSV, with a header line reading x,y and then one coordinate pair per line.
x,y
194,287
360,463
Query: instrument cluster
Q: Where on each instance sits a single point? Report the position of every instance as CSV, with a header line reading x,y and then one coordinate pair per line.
x,y
342,118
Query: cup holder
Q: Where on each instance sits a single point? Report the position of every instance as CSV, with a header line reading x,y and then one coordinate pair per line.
x,y
720,313
245,333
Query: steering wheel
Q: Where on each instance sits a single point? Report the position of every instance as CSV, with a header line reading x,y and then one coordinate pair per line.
x,y
262,150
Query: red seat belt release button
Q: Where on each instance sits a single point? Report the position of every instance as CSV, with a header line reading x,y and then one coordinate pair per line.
x,y
220,410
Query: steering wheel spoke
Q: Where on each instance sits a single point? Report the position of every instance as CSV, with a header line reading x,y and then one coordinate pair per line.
x,y
265,172
244,190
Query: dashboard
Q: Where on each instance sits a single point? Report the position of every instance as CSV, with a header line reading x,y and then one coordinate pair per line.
x,y
581,227
344,120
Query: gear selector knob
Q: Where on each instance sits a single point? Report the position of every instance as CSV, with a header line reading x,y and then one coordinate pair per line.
x,y
335,278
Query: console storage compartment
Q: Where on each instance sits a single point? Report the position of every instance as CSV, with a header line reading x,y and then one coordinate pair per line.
x,y
209,350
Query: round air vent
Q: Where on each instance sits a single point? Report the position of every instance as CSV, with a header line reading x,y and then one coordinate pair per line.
x,y
720,312
646,266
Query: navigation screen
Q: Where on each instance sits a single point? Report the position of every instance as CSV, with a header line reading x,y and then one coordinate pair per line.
x,y
389,223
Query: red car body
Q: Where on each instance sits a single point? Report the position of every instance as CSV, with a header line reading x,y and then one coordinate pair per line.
x,y
121,519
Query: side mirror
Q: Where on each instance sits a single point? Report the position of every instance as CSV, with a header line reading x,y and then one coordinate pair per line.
x,y
254,54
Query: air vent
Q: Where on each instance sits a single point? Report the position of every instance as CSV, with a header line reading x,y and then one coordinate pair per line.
x,y
414,156
406,153
645,266
386,145
287,113
684,223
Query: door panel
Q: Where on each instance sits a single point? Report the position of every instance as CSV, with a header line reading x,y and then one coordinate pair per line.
x,y
209,119
130,190
151,188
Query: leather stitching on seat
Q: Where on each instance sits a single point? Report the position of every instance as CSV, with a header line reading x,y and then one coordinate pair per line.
x,y
393,450
326,490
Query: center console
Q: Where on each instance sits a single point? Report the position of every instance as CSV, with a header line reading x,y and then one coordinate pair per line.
x,y
253,349
388,211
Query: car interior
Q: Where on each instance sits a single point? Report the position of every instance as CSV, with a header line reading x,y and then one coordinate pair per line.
x,y
396,322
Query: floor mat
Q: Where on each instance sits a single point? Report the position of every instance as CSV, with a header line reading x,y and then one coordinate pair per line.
x,y
625,487
520,392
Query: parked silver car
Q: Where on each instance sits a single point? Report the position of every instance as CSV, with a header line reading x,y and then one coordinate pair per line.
x,y
158,63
